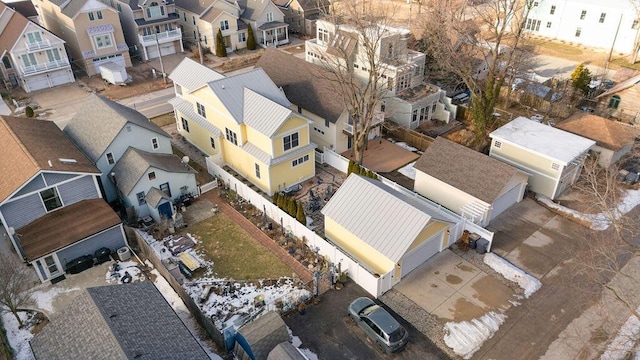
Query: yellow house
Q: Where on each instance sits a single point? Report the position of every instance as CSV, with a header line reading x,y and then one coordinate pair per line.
x,y
245,122
384,230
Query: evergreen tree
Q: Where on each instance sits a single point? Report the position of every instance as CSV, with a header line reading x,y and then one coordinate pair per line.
x,y
281,201
275,197
350,167
300,215
580,79
221,49
293,207
251,40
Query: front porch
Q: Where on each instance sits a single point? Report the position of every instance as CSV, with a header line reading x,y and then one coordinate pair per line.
x,y
273,34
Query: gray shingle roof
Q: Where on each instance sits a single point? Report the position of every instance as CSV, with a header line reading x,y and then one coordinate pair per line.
x,y
264,334
73,7
194,6
128,321
252,8
305,84
465,169
192,75
154,196
135,163
99,121
377,215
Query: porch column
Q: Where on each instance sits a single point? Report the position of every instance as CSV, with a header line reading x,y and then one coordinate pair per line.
x,y
286,33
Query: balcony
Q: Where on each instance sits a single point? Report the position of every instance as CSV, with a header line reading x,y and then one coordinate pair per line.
x,y
163,37
40,68
378,117
37,45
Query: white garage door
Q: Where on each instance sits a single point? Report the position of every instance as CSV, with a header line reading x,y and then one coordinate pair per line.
x,y
165,49
61,77
37,82
118,59
505,201
152,52
420,254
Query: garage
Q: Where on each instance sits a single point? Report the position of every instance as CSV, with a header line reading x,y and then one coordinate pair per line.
x,y
117,59
505,201
422,253
36,82
61,77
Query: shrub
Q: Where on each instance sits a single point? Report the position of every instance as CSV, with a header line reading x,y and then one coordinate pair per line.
x,y
29,112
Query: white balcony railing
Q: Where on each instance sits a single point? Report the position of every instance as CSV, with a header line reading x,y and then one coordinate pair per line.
x,y
38,45
162,37
378,117
38,68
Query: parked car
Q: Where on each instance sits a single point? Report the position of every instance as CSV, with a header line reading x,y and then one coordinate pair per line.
x,y
378,324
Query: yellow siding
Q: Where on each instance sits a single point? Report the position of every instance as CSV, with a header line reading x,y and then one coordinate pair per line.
x,y
294,124
198,136
357,248
285,174
258,139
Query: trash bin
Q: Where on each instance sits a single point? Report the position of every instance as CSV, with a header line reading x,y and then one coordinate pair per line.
x,y
102,255
482,245
473,239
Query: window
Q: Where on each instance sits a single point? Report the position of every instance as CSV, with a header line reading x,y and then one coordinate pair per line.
x,y
201,111
6,62
578,32
152,175
52,267
299,109
102,41
91,17
583,14
323,35
635,24
614,102
242,37
50,199
194,19
29,59
141,199
34,37
548,24
205,40
602,16
535,4
318,130
555,166
326,123
258,171
119,7
383,105
185,124
99,13
553,10
290,141
269,17
165,189
212,141
184,15
53,55
403,82
300,160
154,143
231,136
110,159
497,144
224,25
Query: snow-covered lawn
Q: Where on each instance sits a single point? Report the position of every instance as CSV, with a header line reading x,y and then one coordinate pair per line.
x,y
466,337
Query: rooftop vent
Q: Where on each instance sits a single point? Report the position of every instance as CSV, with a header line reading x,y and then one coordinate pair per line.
x,y
67,161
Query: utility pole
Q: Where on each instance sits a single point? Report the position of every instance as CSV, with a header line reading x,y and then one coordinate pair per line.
x,y
164,76
199,47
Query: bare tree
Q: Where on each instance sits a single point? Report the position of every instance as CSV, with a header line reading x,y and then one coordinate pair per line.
x,y
358,32
15,281
477,44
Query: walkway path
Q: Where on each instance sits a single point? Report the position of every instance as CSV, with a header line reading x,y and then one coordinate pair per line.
x,y
303,273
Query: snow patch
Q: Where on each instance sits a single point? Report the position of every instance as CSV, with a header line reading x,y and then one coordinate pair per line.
x,y
408,171
18,338
296,342
44,298
624,342
405,146
466,337
527,282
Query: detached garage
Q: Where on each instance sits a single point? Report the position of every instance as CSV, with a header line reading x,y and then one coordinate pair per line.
x,y
385,231
467,182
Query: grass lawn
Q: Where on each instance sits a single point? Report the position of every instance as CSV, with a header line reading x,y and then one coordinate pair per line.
x,y
164,120
235,253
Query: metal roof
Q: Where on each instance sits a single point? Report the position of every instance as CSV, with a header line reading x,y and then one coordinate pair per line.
x,y
546,140
192,75
186,108
262,114
377,215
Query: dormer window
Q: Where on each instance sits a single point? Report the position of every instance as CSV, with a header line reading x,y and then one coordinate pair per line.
x,y
155,10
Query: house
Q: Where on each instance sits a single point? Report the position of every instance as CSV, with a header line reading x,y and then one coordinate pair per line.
x,y
621,102
91,29
301,15
150,28
103,129
149,182
408,100
385,231
50,203
608,25
313,94
201,19
552,158
613,138
32,57
267,22
127,321
244,122
26,9
467,182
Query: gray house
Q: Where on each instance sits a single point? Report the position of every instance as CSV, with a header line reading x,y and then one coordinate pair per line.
x,y
50,203
131,321
104,129
150,182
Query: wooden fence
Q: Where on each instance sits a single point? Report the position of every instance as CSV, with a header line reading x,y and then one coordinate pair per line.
x,y
411,137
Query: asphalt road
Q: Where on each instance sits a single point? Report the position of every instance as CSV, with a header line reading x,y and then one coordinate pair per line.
x,y
327,331
151,104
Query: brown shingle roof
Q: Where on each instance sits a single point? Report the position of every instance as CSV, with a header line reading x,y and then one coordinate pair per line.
x,y
66,226
467,170
11,33
607,133
305,84
28,146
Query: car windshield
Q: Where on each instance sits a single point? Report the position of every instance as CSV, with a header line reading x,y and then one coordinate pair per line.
x,y
397,335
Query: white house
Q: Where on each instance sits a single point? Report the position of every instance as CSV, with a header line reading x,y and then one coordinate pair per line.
x,y
104,129
552,158
612,24
467,182
149,182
